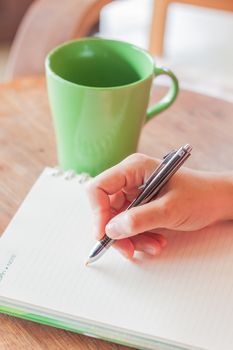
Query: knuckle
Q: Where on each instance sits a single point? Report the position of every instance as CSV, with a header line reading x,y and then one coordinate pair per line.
x,y
89,187
135,157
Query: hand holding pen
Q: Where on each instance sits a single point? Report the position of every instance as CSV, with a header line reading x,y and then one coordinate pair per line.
x,y
115,191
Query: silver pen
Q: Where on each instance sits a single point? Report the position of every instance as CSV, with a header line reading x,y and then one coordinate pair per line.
x,y
170,164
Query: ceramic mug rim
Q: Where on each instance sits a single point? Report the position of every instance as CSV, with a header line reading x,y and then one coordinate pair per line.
x,y
54,51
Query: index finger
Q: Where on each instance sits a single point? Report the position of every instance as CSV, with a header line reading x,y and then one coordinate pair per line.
x,y
128,174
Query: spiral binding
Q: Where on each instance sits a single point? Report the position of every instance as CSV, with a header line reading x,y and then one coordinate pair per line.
x,y
70,175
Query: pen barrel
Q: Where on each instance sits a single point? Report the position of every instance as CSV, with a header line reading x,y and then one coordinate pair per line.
x,y
163,179
162,174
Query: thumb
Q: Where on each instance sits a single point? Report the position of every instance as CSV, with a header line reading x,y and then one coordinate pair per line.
x,y
139,219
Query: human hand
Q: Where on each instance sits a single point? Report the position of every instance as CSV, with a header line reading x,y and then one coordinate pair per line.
x,y
187,202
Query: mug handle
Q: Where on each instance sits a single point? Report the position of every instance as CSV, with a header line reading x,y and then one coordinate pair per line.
x,y
169,98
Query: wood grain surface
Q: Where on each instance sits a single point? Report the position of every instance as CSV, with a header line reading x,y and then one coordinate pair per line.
x,y
27,145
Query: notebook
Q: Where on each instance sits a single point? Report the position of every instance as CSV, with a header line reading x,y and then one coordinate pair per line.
x,y
182,299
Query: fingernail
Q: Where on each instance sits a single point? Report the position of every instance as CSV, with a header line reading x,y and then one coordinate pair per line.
x,y
113,230
115,227
151,251
122,252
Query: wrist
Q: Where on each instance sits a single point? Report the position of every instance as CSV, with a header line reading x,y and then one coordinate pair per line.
x,y
223,196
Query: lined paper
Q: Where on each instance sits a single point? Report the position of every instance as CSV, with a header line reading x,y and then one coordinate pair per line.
x,y
185,295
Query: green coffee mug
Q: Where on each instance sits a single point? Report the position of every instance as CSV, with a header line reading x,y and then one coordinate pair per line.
x,y
99,93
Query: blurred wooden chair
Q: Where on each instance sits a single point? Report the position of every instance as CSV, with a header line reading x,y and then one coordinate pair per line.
x,y
160,13
46,24
11,14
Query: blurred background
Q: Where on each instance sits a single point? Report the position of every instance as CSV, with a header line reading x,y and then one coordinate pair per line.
x,y
192,37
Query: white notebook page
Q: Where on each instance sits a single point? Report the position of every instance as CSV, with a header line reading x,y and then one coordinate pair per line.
x,y
184,295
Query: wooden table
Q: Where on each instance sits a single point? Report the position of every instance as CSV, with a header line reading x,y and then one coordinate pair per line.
x,y
27,145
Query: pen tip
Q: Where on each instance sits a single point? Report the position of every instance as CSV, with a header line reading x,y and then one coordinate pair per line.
x,y
86,263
